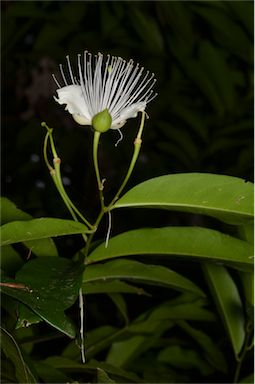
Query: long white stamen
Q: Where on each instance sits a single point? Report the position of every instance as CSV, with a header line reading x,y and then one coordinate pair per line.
x,y
55,79
120,138
62,73
70,68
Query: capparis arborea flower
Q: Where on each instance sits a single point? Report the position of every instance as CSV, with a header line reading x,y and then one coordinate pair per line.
x,y
104,84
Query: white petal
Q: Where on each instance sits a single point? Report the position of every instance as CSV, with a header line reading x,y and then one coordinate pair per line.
x,y
72,96
127,113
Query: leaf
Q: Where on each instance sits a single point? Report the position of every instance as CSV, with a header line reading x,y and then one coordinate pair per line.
x,y
184,358
120,304
26,317
97,340
212,353
10,260
111,286
18,231
226,198
229,303
9,213
48,286
248,379
49,374
169,312
195,242
102,377
140,272
13,352
219,71
91,366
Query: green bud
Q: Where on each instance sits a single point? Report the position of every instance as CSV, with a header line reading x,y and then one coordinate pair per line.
x,y
102,121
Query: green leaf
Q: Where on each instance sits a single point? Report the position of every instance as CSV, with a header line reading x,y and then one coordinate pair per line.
x,y
219,71
10,260
48,286
229,303
102,377
184,358
170,312
226,198
120,304
97,340
18,231
13,352
10,213
211,351
111,286
139,272
248,379
195,242
91,367
49,374
26,317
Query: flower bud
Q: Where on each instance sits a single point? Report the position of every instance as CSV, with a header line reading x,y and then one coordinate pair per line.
x,y
102,121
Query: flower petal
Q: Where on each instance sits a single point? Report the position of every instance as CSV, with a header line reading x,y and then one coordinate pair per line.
x,y
72,96
127,113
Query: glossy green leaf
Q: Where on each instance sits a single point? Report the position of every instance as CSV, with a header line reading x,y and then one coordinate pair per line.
x,y
111,286
13,352
10,213
226,198
210,349
48,286
19,231
195,242
139,272
26,316
229,303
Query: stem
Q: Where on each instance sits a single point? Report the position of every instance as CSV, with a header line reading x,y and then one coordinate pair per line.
x,y
95,160
137,147
56,176
81,305
242,356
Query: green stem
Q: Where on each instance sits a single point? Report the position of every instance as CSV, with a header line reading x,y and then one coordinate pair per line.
x,y
104,209
56,176
95,160
137,147
242,356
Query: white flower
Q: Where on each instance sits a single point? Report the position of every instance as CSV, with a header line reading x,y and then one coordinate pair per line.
x,y
114,84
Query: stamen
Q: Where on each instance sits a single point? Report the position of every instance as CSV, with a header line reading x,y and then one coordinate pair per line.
x,y
62,73
70,68
55,79
120,138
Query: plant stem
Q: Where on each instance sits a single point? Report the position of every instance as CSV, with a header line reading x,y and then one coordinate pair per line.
x,y
242,356
95,160
137,147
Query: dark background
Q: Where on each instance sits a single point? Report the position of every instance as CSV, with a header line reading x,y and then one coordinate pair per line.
x,y
201,121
